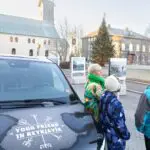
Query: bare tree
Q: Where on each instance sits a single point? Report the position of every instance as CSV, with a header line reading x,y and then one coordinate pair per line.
x,y
147,31
70,39
79,35
63,42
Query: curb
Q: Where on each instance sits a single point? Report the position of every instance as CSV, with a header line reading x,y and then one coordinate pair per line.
x,y
133,91
139,81
136,81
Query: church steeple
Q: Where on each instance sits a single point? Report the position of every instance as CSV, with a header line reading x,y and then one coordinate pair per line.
x,y
47,10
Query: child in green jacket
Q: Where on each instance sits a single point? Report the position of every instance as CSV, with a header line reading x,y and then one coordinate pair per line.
x,y
93,89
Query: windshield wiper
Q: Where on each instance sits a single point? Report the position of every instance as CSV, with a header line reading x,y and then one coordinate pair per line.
x,y
56,101
30,103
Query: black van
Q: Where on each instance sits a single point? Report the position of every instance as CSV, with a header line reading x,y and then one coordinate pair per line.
x,y
39,109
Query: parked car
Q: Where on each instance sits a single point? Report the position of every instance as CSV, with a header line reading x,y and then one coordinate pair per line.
x,y
39,109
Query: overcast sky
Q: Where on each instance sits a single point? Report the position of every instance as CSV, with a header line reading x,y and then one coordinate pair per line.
x,y
134,14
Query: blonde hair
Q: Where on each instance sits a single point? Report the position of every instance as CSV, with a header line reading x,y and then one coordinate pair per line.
x,y
94,68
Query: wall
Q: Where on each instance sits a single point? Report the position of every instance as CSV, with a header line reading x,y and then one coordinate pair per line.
x,y
140,56
23,47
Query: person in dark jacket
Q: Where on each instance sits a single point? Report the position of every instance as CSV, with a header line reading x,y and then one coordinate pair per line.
x,y
112,116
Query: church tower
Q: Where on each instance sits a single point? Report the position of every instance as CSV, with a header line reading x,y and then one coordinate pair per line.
x,y
46,10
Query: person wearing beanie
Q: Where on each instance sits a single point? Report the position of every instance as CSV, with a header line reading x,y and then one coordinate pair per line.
x,y
93,90
112,116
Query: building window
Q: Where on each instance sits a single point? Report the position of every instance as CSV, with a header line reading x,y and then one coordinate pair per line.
x,y
44,42
29,40
143,59
131,47
148,59
31,52
11,39
123,47
137,59
92,39
138,47
46,53
134,47
127,46
143,48
89,39
49,42
16,39
33,41
149,48
13,52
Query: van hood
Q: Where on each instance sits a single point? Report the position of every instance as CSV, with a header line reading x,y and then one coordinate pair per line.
x,y
56,128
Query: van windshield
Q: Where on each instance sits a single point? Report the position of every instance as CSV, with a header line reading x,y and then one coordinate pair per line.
x,y
28,79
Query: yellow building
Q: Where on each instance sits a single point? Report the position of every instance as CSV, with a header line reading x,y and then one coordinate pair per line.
x,y
128,44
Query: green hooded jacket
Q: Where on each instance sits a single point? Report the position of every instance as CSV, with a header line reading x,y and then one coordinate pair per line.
x,y
92,95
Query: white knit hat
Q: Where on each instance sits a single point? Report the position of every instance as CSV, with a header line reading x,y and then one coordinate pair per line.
x,y
94,67
112,84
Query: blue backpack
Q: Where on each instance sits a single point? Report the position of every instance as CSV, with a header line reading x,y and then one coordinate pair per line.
x,y
142,115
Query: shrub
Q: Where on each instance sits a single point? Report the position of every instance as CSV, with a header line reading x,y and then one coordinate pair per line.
x,y
65,65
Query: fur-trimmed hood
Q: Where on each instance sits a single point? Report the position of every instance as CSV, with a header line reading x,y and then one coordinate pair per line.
x,y
147,93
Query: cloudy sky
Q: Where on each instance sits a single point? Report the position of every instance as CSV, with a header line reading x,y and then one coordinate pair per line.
x,y
88,13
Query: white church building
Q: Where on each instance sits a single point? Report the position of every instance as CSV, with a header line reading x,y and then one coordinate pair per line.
x,y
29,37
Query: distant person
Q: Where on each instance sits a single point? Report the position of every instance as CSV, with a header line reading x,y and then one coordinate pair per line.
x,y
142,116
112,116
93,90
